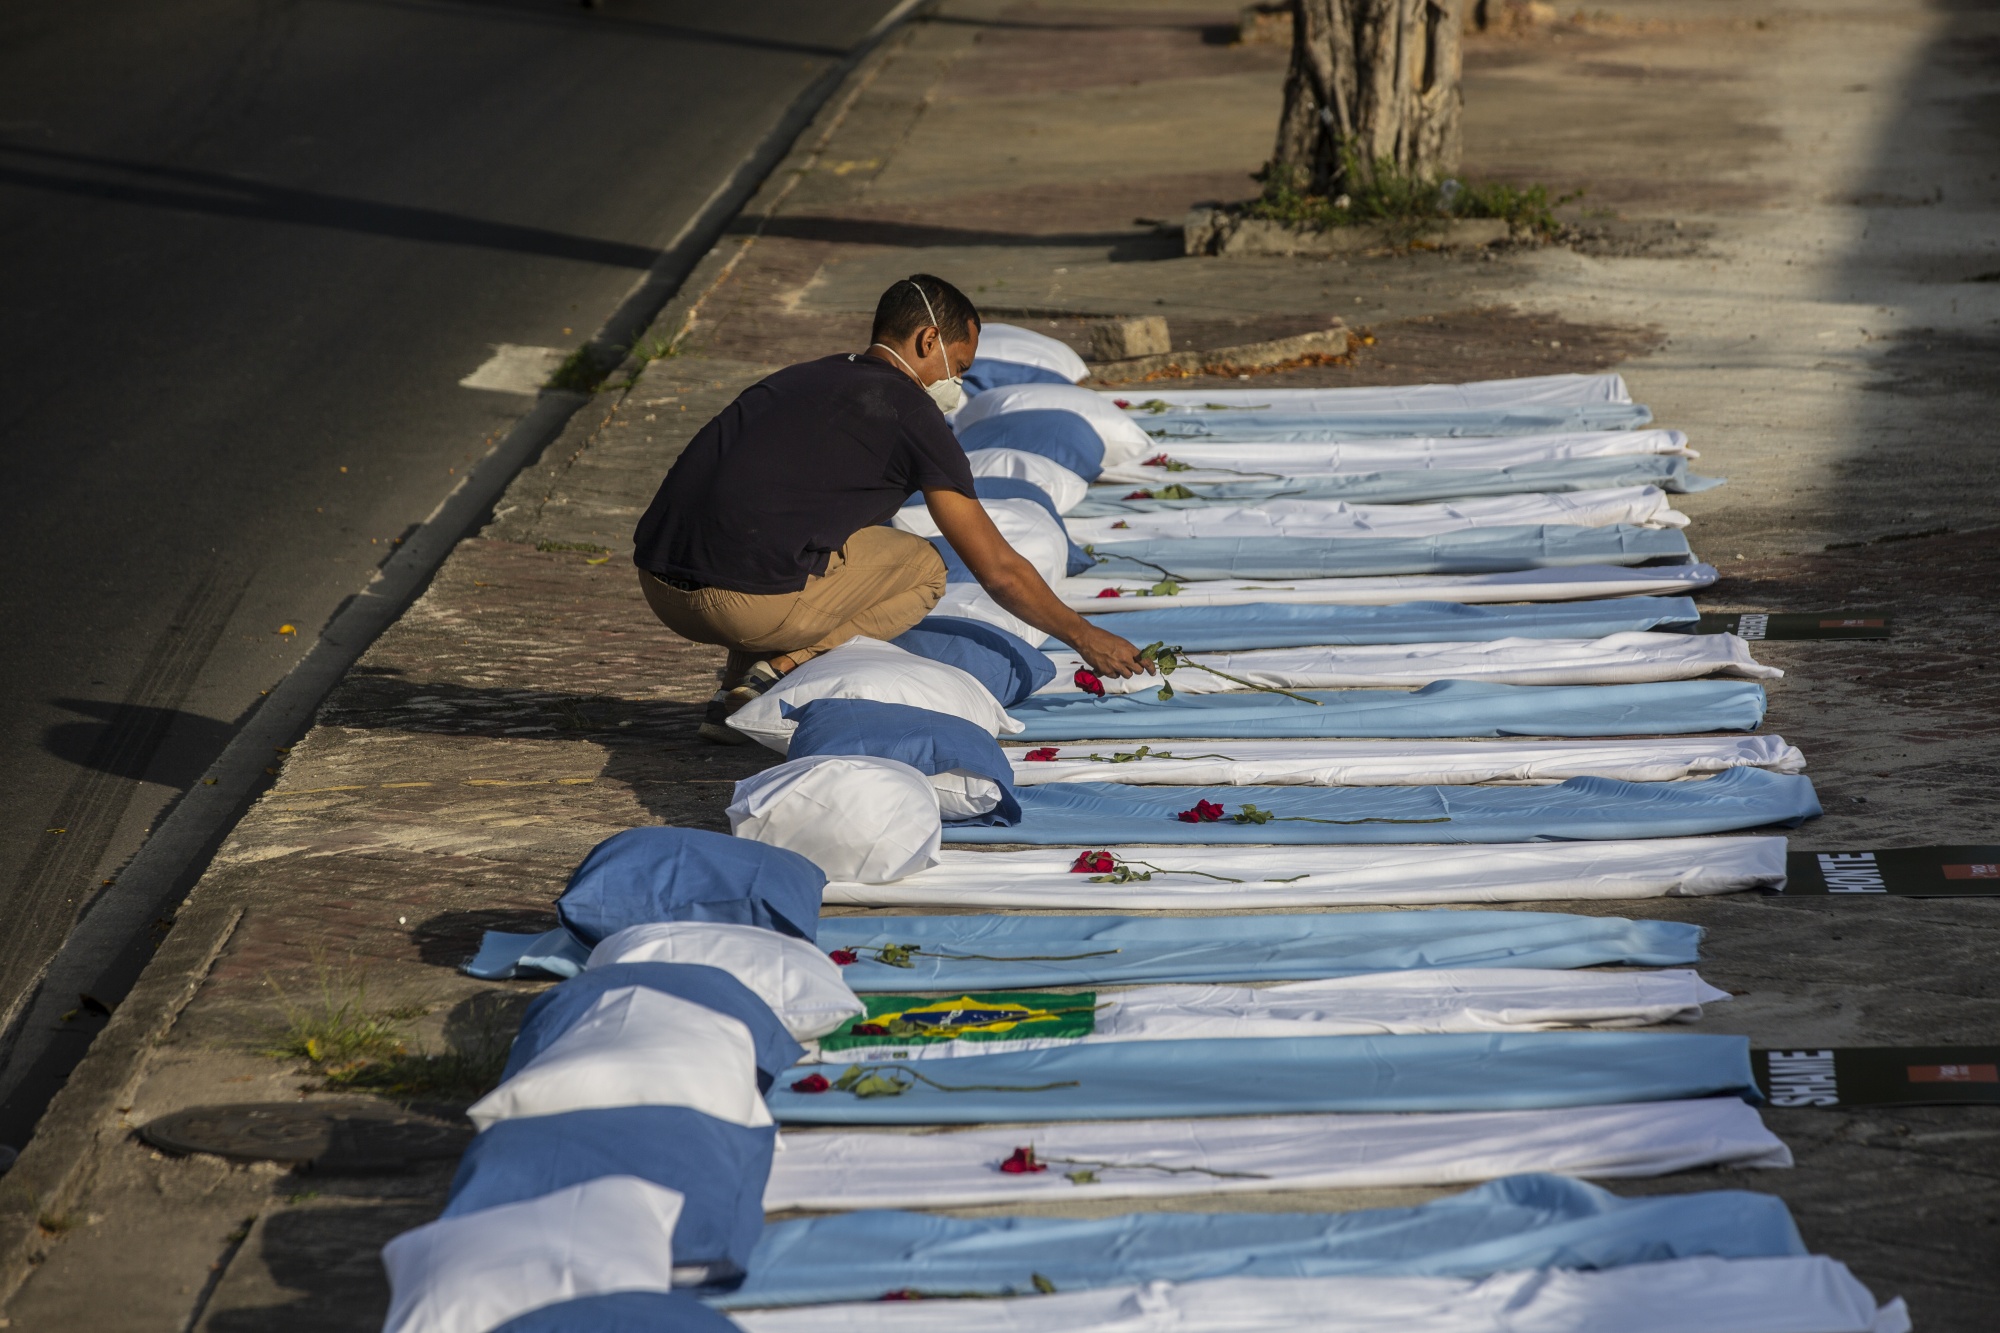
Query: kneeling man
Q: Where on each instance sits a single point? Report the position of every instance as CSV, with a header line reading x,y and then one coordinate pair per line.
x,y
766,536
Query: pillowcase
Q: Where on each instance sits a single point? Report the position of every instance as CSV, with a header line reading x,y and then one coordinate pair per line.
x,y
1125,441
558,1009
625,1312
986,373
865,668
717,1168
684,874
802,986
472,1274
1011,342
1065,489
973,780
1009,666
1031,527
857,818
638,1047
969,601
1064,438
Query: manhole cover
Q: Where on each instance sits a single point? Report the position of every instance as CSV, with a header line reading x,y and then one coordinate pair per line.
x,y
323,1136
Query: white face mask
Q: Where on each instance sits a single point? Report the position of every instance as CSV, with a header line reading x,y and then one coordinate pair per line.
x,y
949,392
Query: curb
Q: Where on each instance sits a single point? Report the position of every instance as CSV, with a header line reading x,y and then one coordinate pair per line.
x,y
57,1162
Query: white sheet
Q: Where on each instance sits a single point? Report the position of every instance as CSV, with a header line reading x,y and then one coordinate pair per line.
x,y
473,1273
802,986
1010,342
1211,461
1539,390
1321,876
1632,658
1405,763
1086,594
845,1169
1806,1294
1481,999
1644,506
1064,488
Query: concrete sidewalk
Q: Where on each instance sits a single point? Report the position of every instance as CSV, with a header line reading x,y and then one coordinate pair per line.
x,y
1762,250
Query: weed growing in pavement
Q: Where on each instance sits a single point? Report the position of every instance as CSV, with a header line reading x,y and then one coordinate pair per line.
x,y
580,372
453,1075
337,1028
1405,205
589,548
655,347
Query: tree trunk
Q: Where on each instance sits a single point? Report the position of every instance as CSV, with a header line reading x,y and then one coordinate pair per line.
x,y
1371,82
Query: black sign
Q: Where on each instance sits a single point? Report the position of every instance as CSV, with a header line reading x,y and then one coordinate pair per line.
x,y
1795,625
1880,1076
1910,872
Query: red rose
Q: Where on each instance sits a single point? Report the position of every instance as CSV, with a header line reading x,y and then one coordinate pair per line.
x,y
1140,495
1022,1163
869,1030
1044,755
844,956
1087,681
1094,863
1121,523
1120,402
1110,592
811,1083
1157,460
1204,812
906,1294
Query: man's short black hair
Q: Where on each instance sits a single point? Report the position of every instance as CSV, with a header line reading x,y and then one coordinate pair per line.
x,y
901,311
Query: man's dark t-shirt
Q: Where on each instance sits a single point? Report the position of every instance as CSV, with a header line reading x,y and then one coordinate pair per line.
x,y
794,467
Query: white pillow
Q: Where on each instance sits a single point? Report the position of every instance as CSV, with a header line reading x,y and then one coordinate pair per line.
x,y
961,794
1124,440
865,668
1064,488
802,985
972,602
854,816
637,1047
1025,347
473,1273
1026,526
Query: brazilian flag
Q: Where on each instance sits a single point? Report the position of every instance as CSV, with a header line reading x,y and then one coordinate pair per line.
x,y
912,1020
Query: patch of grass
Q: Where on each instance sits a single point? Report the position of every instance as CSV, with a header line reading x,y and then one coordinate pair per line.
x,y
336,1027
656,347
358,1049
582,371
1406,205
588,548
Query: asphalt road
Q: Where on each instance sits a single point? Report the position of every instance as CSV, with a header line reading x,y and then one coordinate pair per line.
x,y
248,248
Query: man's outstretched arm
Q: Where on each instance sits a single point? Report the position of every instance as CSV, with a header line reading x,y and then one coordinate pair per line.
x,y
1015,584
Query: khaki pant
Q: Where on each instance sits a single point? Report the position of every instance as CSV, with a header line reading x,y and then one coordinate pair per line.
x,y
881,583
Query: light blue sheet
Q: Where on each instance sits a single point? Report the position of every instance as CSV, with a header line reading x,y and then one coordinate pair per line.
x,y
1288,625
1312,427
1413,485
1095,814
1036,952
1145,1080
1472,551
1445,708
1506,1225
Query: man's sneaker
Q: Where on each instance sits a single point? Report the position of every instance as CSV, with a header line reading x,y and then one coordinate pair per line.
x,y
715,726
715,720
760,677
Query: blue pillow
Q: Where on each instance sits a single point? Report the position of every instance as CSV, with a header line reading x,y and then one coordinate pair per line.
x,y
557,1009
681,874
929,742
719,1168
624,1312
1008,666
987,372
1051,432
1008,488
